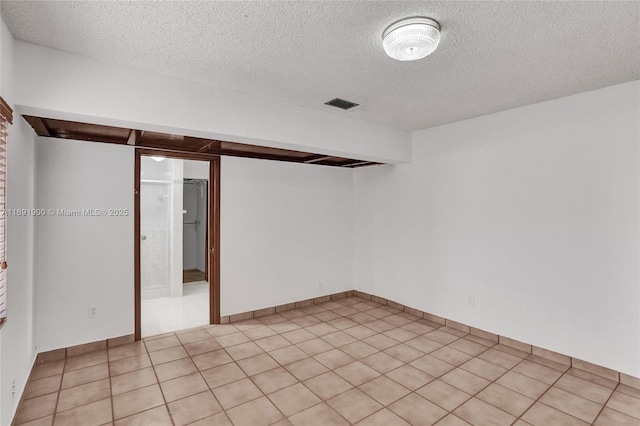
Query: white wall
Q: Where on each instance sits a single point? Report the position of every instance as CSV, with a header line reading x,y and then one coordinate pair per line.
x,y
286,228
534,212
66,86
83,261
17,352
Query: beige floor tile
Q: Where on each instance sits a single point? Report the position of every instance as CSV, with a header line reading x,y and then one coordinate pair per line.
x,y
232,339
293,399
158,416
339,338
298,336
212,359
465,381
543,415
410,377
259,412
571,404
625,404
163,343
195,407
342,323
452,420
424,344
418,328
133,380
43,386
42,421
384,390
36,408
83,394
380,342
236,393
479,413
397,320
432,366
537,371
354,405
381,362
314,346
219,419
127,351
417,410
306,369
584,388
193,336
356,373
360,332
522,384
126,365
483,368
358,350
451,356
628,390
380,326
383,417
167,355
288,355
500,358
85,375
610,417
222,375
505,399
47,369
87,360
321,329
257,364
93,414
221,330
319,414
174,369
549,363
244,350
136,401
272,343
201,347
468,346
443,395
441,336
400,334
259,332
328,385
602,381
183,386
273,380
404,353
327,316
333,359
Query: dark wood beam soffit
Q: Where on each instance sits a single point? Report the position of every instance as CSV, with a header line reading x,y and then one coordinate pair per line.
x,y
178,143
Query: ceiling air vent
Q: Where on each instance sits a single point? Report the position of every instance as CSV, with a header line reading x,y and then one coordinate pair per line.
x,y
341,103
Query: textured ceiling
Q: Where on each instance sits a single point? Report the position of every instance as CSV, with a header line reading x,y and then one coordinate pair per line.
x,y
493,55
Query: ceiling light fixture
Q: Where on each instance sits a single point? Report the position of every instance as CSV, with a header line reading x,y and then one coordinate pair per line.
x,y
411,39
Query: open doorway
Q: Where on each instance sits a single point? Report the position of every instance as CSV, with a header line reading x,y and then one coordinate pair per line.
x,y
177,228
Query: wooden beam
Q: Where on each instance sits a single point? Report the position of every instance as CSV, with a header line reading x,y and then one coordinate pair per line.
x,y
134,137
214,144
38,125
317,159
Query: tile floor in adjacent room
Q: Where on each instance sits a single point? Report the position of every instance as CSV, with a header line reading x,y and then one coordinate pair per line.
x,y
349,361
164,314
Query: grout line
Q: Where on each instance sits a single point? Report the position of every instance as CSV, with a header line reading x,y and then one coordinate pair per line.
x,y
606,402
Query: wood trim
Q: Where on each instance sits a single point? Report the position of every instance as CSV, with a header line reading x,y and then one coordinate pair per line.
x,y
213,237
214,240
6,111
136,249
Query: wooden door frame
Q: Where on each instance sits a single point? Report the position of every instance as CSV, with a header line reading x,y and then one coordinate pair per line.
x,y
213,258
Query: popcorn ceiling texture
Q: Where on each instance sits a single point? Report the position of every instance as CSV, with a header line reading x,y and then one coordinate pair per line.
x,y
493,55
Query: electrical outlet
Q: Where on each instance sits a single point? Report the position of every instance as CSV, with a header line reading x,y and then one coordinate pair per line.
x,y
93,311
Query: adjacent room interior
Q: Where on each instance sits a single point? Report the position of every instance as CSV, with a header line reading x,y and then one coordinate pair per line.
x,y
262,212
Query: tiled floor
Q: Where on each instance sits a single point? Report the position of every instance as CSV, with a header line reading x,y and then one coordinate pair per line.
x,y
345,362
192,276
164,314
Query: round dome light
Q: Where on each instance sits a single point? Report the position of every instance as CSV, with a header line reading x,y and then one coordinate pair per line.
x,y
411,39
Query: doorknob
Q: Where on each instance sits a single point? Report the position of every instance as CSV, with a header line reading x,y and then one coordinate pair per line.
x,y
144,237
